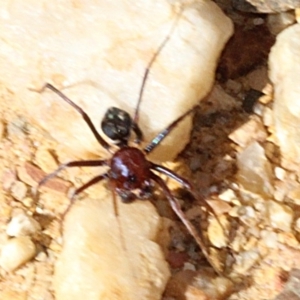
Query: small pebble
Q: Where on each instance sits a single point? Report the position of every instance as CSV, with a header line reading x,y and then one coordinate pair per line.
x,y
22,225
219,207
16,252
45,160
255,171
8,178
227,195
245,260
258,109
280,216
215,232
189,266
270,238
280,173
42,256
16,128
248,216
19,190
28,202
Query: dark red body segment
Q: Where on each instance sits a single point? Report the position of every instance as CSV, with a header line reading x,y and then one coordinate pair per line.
x,y
129,169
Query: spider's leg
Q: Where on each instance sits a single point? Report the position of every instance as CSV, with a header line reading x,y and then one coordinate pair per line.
x,y
117,214
81,189
157,140
177,209
146,74
78,163
188,186
86,118
138,132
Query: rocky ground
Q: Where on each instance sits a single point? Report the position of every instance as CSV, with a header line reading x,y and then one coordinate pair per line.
x,y
234,161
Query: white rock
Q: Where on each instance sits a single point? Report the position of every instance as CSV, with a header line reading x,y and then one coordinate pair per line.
x,y
19,190
22,225
284,65
254,170
280,216
228,195
279,173
270,238
97,53
16,252
248,216
101,259
245,260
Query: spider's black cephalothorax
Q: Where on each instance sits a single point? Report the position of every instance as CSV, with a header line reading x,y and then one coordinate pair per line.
x,y
117,124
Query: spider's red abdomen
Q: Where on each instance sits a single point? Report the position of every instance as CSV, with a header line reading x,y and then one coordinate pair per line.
x,y
129,168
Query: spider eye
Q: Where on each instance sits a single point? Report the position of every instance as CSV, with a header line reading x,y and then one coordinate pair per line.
x,y
132,178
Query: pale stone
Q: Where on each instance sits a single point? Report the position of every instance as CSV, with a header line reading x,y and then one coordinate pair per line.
x,y
97,53
16,252
280,216
45,160
252,130
217,236
108,257
22,225
250,244
245,260
258,109
228,195
248,216
219,207
19,190
270,238
279,173
188,266
254,170
284,65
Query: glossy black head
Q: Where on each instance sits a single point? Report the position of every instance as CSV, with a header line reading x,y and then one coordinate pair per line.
x,y
117,124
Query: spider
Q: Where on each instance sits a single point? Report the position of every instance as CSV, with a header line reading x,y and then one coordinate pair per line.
x,y
130,174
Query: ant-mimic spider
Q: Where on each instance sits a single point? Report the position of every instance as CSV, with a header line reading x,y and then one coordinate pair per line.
x,y
130,174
